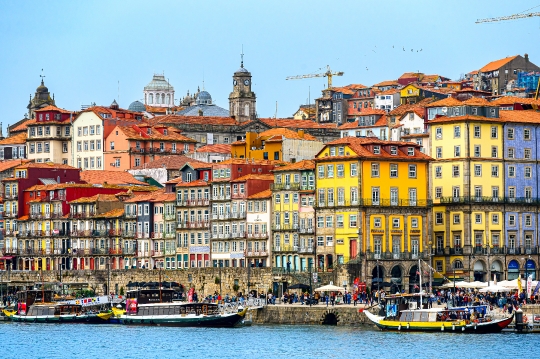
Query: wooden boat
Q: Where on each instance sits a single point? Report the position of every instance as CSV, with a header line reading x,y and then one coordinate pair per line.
x,y
403,312
156,307
6,314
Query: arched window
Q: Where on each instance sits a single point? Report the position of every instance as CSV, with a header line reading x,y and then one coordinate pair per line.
x,y
246,109
158,98
163,98
145,99
150,98
168,97
458,264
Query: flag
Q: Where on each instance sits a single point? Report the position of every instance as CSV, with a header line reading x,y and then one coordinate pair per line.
x,y
416,286
529,286
536,288
520,287
417,272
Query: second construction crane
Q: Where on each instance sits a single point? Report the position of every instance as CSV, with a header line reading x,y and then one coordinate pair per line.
x,y
329,73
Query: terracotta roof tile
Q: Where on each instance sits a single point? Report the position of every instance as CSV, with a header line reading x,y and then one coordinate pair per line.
x,y
387,83
46,165
400,110
497,64
445,102
8,164
98,110
286,133
17,139
23,126
146,197
528,116
298,124
110,177
98,197
240,161
196,165
217,148
444,119
389,92
511,100
114,213
381,122
298,166
252,176
135,132
476,101
195,120
264,194
50,187
53,108
169,162
198,183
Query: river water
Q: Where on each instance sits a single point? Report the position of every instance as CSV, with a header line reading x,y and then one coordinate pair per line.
x,y
19,340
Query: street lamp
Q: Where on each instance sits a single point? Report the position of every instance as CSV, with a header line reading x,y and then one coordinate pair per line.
x,y
430,266
486,251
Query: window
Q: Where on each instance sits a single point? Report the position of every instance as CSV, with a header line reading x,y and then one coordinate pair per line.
x,y
510,152
376,150
495,193
438,172
395,222
92,146
339,221
511,171
64,147
332,151
112,145
438,218
478,170
354,170
410,151
510,133
476,131
340,171
374,170
377,222
353,220
477,218
393,170
393,150
527,153
457,218
495,218
320,171
457,132
528,172
512,220
438,192
85,131
494,132
117,162
512,192
98,145
137,162
278,198
476,150
494,171
456,191
330,171
457,151
438,152
526,134
92,132
412,171
455,171
494,151
528,220
438,133
329,221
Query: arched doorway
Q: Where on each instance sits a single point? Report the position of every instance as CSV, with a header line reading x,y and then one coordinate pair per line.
x,y
396,279
377,275
530,269
479,271
513,269
496,270
414,280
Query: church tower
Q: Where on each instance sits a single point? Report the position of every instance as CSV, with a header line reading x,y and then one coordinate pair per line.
x,y
41,99
242,101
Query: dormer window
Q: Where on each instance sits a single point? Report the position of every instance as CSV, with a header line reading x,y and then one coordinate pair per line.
x,y
341,151
165,132
332,151
410,151
377,150
148,131
475,111
393,150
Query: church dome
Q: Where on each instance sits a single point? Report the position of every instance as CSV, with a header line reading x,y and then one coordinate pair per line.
x,y
242,70
137,106
159,83
204,97
42,88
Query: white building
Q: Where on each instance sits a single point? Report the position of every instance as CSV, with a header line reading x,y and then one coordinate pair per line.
x,y
387,100
371,123
258,229
410,128
159,92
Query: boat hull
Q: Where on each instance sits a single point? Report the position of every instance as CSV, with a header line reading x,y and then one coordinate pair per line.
x,y
210,321
52,319
459,326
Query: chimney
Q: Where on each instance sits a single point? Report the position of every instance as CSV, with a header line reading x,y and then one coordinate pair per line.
x,y
200,112
301,133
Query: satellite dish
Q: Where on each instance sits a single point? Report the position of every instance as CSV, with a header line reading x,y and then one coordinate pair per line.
x,y
444,109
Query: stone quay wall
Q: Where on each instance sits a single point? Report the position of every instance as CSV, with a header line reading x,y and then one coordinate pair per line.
x,y
205,280
316,315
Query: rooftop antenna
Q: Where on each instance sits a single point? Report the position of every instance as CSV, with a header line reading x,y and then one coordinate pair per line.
x,y
42,76
275,114
203,80
242,57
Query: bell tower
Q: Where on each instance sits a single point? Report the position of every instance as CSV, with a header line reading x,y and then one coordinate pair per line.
x,y
242,100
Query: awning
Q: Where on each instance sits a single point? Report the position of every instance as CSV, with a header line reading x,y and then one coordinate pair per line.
x,y
6,257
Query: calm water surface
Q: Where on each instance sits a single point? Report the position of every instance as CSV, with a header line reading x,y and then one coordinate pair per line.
x,y
19,340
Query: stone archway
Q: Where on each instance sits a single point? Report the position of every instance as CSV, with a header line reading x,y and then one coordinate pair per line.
x,y
479,268
377,275
414,279
396,279
330,317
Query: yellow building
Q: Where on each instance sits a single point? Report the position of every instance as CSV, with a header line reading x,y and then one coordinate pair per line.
x,y
467,183
279,144
371,200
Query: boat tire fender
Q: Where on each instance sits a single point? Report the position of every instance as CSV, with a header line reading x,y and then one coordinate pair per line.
x,y
35,320
399,327
462,329
453,327
442,328
475,327
408,325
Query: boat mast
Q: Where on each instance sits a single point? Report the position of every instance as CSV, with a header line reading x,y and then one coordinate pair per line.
x,y
42,285
420,279
159,271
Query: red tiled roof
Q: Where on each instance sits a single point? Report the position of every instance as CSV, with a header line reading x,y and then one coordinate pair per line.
x,y
9,164
527,116
301,124
197,183
444,119
240,161
497,64
445,102
169,162
23,126
17,139
476,101
217,148
400,110
298,166
110,177
135,132
511,100
98,110
359,146
264,194
381,122
195,120
146,197
387,83
114,213
95,198
252,176
46,165
286,133
53,108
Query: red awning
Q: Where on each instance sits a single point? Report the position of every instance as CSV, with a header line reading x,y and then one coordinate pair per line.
x,y
6,257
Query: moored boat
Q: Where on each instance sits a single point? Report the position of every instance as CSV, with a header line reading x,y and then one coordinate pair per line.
x,y
156,307
402,312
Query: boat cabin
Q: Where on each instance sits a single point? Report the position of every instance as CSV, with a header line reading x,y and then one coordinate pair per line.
x,y
177,309
393,305
49,310
148,296
30,297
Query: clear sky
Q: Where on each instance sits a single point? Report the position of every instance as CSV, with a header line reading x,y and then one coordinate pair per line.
x,y
87,47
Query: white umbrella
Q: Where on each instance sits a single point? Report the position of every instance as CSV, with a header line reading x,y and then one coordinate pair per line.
x,y
330,288
494,289
460,284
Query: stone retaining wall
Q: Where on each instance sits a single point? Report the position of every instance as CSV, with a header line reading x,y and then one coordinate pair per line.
x,y
315,315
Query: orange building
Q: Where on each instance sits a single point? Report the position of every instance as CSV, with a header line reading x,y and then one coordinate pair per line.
x,y
136,145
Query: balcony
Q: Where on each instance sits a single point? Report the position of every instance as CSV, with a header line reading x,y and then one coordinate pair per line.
x,y
197,202
100,233
414,255
221,198
10,214
285,186
530,250
170,251
285,227
130,215
285,248
395,203
11,195
238,235
81,233
169,216
238,215
169,235
257,235
128,234
309,230
456,251
306,250
189,225
256,254
142,235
